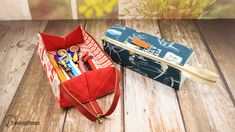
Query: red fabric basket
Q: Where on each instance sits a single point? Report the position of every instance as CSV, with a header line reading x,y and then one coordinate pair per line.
x,y
83,90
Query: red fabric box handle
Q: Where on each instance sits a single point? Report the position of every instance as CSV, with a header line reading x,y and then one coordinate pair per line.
x,y
91,109
83,90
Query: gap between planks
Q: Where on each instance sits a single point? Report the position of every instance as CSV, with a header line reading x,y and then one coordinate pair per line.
x,y
74,118
84,26
181,113
228,89
204,107
123,103
51,113
21,42
123,91
149,105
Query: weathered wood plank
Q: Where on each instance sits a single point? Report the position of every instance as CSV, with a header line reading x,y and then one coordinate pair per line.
x,y
148,104
219,35
17,44
204,108
34,100
75,121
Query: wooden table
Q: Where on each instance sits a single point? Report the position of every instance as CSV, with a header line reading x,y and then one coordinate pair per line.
x,y
145,105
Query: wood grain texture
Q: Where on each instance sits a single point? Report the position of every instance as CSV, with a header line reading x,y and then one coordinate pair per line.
x,y
145,105
204,108
148,104
75,121
220,39
17,44
34,100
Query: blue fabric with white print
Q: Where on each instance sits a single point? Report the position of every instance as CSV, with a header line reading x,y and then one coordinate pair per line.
x,y
176,53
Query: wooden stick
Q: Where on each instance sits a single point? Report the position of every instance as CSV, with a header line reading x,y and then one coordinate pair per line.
x,y
196,73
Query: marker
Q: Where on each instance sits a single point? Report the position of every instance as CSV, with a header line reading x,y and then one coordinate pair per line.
x,y
81,64
74,68
89,61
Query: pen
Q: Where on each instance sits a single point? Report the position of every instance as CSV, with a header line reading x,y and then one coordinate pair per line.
x,y
89,61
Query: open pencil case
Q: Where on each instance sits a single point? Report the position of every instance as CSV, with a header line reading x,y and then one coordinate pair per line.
x,y
82,91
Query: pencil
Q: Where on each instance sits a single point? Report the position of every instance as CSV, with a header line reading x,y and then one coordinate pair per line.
x,y
60,74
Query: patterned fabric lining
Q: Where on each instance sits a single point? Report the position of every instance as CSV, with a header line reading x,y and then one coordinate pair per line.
x,y
101,59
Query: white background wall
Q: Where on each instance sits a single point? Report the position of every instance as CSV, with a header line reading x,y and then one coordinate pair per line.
x,y
14,10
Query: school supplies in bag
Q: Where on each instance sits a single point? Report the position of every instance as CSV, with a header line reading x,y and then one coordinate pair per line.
x,y
79,72
157,58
